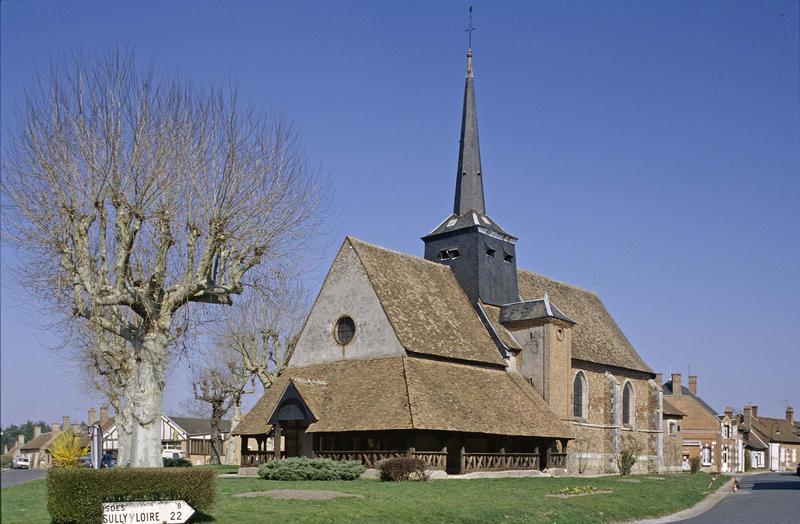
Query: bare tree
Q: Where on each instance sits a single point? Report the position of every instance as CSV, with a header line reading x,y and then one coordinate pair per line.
x,y
221,384
134,196
263,330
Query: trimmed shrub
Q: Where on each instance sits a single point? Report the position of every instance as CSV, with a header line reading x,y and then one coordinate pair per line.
x,y
6,461
76,495
177,463
302,468
694,465
403,468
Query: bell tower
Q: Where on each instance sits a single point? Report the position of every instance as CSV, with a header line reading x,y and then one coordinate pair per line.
x,y
481,254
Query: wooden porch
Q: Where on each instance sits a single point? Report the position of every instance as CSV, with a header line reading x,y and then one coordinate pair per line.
x,y
460,453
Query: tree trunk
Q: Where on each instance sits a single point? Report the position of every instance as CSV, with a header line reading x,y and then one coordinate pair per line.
x,y
122,421
233,448
216,435
147,397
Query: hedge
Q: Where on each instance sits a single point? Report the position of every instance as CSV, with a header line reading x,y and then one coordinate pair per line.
x,y
302,468
177,463
76,495
403,468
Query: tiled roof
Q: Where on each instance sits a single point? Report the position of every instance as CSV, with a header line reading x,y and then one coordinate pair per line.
x,y
670,409
199,426
596,337
776,429
399,393
428,310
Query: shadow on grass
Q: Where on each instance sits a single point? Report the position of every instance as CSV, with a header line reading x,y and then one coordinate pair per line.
x,y
199,516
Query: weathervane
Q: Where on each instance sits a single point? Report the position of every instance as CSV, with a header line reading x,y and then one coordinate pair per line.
x,y
470,29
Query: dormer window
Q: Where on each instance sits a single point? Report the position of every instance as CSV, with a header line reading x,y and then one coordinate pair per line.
x,y
449,254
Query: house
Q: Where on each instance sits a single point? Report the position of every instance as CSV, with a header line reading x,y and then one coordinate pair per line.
x,y
673,438
189,436
713,438
458,358
773,443
37,450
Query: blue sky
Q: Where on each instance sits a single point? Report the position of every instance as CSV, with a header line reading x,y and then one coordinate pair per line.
x,y
646,150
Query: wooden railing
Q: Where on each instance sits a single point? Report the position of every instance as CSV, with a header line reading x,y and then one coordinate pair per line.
x,y
370,459
556,460
255,458
434,459
498,461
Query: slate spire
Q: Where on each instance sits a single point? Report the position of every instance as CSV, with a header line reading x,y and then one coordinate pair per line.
x,y
469,181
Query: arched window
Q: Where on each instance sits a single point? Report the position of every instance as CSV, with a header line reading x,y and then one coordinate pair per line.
x,y
580,395
627,404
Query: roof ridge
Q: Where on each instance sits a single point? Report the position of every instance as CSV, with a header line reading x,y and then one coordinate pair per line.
x,y
354,240
556,281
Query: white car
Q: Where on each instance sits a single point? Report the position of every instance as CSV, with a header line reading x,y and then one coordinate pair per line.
x,y
21,463
171,454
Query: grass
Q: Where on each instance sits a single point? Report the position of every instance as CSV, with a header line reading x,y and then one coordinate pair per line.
x,y
480,500
221,468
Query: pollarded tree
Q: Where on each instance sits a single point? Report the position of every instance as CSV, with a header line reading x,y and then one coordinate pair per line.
x,y
133,196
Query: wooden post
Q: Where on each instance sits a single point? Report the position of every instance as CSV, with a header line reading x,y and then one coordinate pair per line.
x,y
462,461
277,441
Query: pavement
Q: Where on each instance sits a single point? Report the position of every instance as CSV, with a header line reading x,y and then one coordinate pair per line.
x,y
772,498
12,477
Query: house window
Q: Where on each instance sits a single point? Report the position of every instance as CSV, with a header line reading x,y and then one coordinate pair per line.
x,y
345,330
673,428
726,431
490,252
627,404
725,454
579,396
705,457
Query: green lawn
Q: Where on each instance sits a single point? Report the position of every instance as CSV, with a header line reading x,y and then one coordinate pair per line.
x,y
484,500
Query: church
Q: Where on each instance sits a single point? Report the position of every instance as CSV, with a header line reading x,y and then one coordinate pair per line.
x,y
458,358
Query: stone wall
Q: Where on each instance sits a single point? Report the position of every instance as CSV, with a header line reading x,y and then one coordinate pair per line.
x,y
601,434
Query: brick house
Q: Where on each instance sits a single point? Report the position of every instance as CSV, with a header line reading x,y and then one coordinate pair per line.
x,y
773,443
37,450
705,434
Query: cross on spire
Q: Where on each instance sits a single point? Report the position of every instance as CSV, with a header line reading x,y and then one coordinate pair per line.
x,y
470,28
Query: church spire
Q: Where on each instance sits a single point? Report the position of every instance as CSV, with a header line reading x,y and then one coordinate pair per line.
x,y
469,183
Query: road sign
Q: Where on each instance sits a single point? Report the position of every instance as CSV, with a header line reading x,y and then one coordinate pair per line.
x,y
147,512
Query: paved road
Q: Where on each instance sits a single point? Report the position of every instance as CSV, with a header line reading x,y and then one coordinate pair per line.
x,y
18,476
767,498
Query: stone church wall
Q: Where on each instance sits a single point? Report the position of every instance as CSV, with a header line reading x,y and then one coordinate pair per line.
x,y
601,434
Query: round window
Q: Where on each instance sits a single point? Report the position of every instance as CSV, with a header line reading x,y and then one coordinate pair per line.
x,y
345,330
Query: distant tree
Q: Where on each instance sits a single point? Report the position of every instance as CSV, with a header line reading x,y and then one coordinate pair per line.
x,y
134,195
10,433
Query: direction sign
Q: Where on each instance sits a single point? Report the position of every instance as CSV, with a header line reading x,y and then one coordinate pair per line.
x,y
147,512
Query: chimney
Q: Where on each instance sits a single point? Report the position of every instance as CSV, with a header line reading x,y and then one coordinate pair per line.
x,y
676,384
754,410
693,384
20,439
37,430
659,379
729,412
790,414
55,427
76,429
92,417
64,423
104,413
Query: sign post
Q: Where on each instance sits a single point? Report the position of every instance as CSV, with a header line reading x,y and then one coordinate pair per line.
x,y
96,435
147,512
